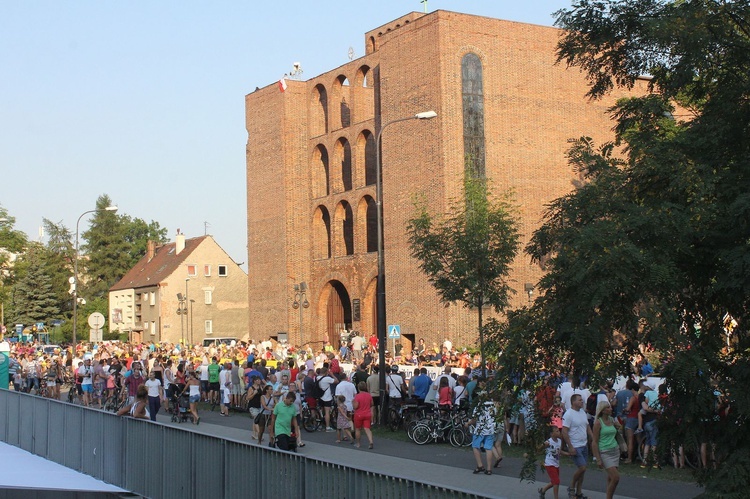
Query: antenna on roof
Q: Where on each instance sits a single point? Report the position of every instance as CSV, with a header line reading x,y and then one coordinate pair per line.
x,y
206,225
425,5
296,71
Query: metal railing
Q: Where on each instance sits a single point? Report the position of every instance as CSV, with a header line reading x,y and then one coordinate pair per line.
x,y
161,461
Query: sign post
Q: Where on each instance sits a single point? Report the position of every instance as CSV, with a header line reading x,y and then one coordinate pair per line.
x,y
394,332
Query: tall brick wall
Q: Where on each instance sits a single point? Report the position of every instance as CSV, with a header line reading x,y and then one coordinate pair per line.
x,y
532,107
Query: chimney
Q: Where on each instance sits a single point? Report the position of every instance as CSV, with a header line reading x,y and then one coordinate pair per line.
x,y
150,249
179,242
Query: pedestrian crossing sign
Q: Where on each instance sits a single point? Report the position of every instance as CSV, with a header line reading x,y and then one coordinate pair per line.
x,y
394,331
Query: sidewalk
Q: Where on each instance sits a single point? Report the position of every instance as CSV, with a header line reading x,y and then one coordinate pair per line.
x,y
494,486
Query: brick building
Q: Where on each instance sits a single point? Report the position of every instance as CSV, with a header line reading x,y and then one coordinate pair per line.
x,y
195,276
500,99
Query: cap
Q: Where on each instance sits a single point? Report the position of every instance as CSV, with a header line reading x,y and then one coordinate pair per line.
x,y
394,369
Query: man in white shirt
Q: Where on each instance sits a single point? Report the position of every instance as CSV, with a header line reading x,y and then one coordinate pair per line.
x,y
577,433
395,385
326,384
348,390
225,388
357,343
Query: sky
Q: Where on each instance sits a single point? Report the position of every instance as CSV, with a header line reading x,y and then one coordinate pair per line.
x,y
144,100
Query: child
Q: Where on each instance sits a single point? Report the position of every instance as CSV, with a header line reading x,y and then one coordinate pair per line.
x,y
342,422
555,413
552,461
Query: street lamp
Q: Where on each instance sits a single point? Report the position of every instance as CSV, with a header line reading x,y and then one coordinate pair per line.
x,y
380,288
301,303
182,309
75,272
192,341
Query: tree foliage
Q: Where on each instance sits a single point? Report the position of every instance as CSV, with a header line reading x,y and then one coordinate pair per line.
x,y
467,254
114,243
33,296
651,251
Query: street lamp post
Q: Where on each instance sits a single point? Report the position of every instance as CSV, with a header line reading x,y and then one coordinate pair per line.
x,y
380,287
192,340
75,272
301,303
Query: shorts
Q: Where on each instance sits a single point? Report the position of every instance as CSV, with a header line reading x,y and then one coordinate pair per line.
x,y
87,388
312,403
631,424
51,382
361,421
554,474
581,459
236,389
486,441
225,396
204,385
254,411
213,387
650,432
326,403
194,399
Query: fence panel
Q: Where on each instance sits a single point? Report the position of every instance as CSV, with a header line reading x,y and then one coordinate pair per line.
x,y
156,460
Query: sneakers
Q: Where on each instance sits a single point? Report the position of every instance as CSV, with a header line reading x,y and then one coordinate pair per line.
x,y
639,430
329,430
541,493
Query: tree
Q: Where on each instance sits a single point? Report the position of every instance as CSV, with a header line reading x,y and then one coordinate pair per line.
x,y
12,243
114,243
651,251
467,254
33,297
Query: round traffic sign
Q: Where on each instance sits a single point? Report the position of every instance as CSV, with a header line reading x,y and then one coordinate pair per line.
x,y
96,320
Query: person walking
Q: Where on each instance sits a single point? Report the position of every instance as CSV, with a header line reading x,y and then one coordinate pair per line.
x,y
553,451
605,447
577,433
283,422
362,405
155,394
193,387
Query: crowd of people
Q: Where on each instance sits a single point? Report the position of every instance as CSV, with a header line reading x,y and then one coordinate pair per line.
x,y
272,381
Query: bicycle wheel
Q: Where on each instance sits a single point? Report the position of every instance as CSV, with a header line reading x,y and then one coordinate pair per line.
x,y
410,429
394,420
457,437
311,420
71,394
422,434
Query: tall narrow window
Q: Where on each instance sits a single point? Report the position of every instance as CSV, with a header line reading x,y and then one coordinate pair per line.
x,y
209,327
473,111
208,295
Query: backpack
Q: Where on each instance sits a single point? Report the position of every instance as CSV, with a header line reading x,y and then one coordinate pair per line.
x,y
591,404
318,391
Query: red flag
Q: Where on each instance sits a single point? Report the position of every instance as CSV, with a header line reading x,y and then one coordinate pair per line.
x,y
282,84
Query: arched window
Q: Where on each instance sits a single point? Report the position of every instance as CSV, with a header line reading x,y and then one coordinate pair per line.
x,y
320,176
321,233
342,159
318,111
366,156
344,221
367,225
473,112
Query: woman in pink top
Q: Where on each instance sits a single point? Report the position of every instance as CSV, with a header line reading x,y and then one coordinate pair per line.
x,y
445,395
362,403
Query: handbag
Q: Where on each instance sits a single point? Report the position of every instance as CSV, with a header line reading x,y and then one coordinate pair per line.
x,y
621,442
258,417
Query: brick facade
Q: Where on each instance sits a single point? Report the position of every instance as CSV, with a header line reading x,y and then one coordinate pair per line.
x,y
531,108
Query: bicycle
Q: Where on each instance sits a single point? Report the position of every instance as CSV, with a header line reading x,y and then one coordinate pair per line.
x,y
404,415
313,418
439,428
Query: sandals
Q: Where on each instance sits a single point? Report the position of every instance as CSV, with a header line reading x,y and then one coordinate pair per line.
x,y
478,470
488,472
370,447
497,464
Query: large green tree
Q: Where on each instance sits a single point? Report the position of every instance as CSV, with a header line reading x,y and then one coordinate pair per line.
x,y
33,296
113,244
652,250
467,253
12,243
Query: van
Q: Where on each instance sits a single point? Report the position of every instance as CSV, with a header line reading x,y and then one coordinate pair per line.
x,y
210,342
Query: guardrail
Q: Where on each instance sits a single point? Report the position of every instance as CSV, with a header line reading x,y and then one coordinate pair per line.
x,y
161,461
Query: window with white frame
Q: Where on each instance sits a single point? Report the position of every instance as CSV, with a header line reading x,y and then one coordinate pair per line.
x,y
192,270
209,327
222,270
208,296
207,270
152,298
153,327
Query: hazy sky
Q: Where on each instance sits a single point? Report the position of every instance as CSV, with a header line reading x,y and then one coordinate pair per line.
x,y
144,100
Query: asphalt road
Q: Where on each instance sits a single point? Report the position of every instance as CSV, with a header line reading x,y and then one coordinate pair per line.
x,y
646,486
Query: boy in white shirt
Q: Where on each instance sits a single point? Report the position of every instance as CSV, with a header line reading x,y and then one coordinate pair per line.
x,y
553,451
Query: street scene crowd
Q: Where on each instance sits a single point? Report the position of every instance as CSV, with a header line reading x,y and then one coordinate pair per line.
x,y
278,385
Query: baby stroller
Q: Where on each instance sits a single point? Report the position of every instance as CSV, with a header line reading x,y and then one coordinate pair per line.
x,y
179,406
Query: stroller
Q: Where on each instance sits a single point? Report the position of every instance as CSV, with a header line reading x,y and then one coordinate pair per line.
x,y
179,407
